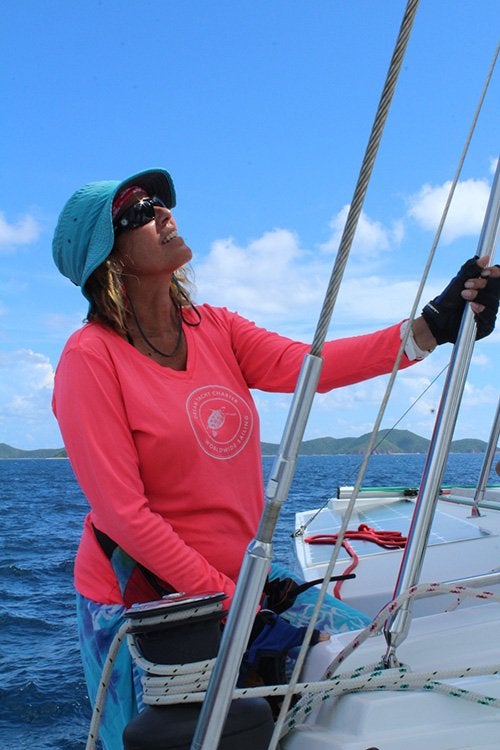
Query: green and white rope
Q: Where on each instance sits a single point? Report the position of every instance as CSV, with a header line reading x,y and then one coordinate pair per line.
x,y
415,592
400,679
378,679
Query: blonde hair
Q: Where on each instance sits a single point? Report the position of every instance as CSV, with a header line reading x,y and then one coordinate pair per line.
x,y
108,298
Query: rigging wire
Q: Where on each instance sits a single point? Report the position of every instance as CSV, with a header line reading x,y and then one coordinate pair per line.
x,y
216,705
336,278
320,336
301,529
364,177
423,281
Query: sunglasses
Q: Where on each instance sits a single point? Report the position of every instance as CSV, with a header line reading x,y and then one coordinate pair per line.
x,y
138,214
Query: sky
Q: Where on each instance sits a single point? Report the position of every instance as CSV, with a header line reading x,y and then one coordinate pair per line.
x,y
261,111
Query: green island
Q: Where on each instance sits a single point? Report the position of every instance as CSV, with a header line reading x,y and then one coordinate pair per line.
x,y
388,441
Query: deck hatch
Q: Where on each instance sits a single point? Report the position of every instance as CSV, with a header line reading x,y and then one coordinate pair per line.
x,y
384,517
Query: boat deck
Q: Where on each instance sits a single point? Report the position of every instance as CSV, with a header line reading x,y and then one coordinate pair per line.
x,y
461,545
412,719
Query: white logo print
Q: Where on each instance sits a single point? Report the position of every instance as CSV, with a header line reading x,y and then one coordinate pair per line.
x,y
221,420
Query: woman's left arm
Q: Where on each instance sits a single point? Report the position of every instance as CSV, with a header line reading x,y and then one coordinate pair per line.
x,y
271,362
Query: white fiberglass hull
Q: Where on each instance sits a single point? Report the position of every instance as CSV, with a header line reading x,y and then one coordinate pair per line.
x,y
412,719
447,632
461,546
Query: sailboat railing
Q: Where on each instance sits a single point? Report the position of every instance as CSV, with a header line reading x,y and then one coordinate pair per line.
x,y
397,627
488,461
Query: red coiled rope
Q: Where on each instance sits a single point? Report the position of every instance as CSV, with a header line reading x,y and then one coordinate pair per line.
x,y
365,533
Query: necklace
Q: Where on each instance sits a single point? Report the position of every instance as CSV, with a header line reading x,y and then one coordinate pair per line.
x,y
148,342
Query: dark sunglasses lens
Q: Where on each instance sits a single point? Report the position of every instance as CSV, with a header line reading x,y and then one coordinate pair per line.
x,y
139,214
157,201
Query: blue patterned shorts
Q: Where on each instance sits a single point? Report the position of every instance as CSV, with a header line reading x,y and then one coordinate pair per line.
x,y
97,626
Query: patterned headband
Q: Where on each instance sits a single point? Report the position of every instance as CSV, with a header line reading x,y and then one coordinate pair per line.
x,y
123,196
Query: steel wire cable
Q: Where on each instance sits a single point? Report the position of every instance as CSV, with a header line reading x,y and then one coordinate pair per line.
x,y
364,177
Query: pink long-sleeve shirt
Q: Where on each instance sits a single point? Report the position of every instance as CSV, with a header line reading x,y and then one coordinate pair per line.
x,y
169,460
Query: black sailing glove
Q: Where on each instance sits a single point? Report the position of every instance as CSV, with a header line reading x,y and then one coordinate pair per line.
x,y
444,313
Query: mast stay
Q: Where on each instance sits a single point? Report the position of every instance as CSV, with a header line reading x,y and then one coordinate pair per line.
x,y
259,552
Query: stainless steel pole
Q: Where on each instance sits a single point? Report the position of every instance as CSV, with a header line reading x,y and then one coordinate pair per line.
x,y
255,566
397,627
258,557
488,460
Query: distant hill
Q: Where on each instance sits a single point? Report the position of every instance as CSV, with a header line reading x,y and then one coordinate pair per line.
x,y
398,441
6,451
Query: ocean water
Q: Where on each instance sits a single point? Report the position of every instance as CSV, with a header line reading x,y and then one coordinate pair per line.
x,y
43,701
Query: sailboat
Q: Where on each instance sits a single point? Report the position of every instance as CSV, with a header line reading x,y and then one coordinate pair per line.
x,y
463,541
430,680
424,672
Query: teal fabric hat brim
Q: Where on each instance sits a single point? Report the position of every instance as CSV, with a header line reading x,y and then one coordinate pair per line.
x,y
84,235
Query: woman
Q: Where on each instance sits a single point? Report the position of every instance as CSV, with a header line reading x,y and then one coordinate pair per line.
x,y
152,398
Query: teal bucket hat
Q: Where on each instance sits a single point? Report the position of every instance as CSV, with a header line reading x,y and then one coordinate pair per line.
x,y
84,235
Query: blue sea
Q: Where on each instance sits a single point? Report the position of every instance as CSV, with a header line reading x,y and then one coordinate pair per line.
x,y
43,702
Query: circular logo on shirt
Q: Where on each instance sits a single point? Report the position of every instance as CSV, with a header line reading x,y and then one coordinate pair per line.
x,y
221,420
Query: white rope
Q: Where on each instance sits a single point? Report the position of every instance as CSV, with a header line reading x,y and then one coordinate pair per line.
x,y
364,678
390,679
415,592
169,679
196,669
104,684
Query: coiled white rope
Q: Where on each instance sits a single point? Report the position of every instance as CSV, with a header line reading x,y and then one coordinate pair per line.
x,y
167,684
196,670
161,680
323,685
369,679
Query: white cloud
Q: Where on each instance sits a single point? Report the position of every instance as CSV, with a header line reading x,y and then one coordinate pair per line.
x,y
476,395
280,284
274,280
25,369
466,213
265,278
26,380
23,232
375,299
371,237
480,359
